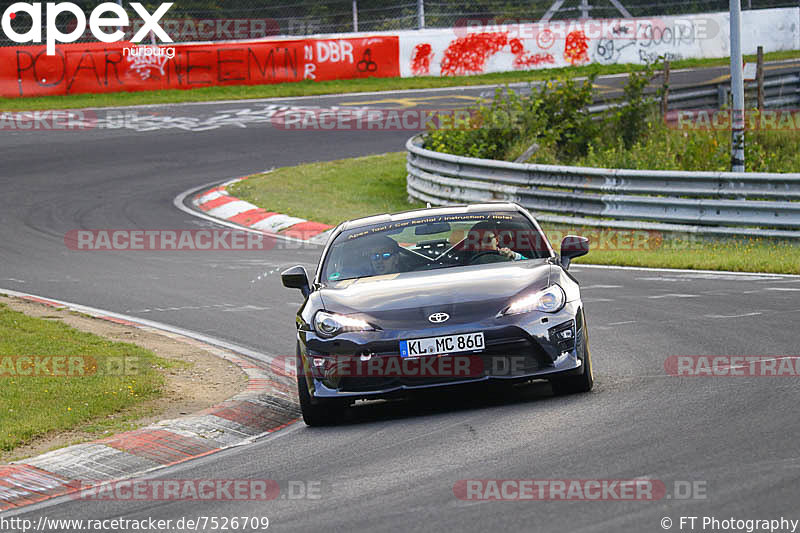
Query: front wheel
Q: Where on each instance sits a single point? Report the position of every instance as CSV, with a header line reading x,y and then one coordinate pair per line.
x,y
584,381
316,412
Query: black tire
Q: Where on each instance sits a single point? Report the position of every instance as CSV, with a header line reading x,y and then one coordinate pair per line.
x,y
582,382
316,411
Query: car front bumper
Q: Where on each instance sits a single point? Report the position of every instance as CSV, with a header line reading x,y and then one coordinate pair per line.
x,y
517,348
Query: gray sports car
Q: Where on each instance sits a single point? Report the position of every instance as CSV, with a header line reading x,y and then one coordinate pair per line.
x,y
438,297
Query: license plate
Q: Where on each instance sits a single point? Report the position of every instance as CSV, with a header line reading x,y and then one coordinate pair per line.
x,y
467,342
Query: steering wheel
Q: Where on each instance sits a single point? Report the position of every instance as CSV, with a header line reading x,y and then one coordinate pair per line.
x,y
481,254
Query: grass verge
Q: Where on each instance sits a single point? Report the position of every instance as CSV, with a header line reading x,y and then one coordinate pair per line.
x,y
351,188
310,88
55,397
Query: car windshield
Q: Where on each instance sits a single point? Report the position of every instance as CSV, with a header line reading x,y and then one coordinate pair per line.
x,y
433,242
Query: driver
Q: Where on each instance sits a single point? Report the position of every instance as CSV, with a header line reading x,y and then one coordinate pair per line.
x,y
484,236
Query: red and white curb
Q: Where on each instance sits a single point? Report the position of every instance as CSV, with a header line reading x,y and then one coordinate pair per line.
x,y
218,203
268,403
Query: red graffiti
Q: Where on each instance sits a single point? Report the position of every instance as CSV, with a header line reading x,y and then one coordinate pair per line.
x,y
533,60
523,59
576,47
468,55
545,39
105,68
421,62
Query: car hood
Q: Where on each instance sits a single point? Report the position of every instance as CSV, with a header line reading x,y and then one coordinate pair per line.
x,y
466,293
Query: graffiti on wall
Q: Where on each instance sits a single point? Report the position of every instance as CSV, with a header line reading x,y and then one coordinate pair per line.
x,y
421,62
145,64
576,47
651,41
99,67
470,54
481,46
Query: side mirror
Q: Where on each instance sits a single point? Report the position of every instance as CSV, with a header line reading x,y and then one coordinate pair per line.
x,y
296,278
571,247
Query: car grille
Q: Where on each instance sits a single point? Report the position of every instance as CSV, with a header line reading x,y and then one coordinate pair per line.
x,y
507,358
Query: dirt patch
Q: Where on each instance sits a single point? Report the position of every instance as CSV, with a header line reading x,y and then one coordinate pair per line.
x,y
201,381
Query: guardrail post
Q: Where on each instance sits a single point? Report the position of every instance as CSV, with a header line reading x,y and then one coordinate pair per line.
x,y
760,77
737,88
665,93
722,96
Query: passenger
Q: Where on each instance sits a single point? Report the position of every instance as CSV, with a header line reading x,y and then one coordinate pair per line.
x,y
384,256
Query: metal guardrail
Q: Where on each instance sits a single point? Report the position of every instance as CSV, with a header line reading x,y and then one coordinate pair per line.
x,y
708,203
781,89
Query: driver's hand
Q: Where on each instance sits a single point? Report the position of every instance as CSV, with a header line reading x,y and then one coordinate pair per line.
x,y
506,252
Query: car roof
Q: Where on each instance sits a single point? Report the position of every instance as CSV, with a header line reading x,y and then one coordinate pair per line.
x,y
431,211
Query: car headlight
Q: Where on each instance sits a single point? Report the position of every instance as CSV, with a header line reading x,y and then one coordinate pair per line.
x,y
550,300
330,324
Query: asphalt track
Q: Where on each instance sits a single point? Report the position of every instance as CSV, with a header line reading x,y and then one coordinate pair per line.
x,y
393,466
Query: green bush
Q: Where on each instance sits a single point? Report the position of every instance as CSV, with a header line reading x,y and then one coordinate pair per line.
x,y
667,149
553,115
631,118
632,135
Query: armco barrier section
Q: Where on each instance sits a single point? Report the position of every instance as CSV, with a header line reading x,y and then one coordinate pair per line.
x,y
712,203
103,68
780,91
